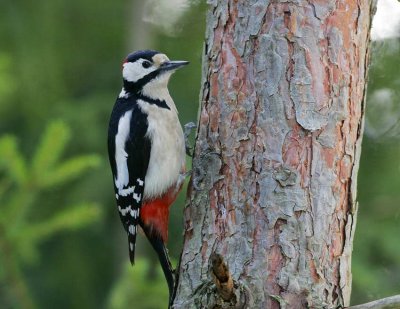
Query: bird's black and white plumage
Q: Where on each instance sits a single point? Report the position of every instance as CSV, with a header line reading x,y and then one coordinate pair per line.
x,y
146,150
129,158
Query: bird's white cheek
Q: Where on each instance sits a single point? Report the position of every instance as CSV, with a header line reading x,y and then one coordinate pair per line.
x,y
134,71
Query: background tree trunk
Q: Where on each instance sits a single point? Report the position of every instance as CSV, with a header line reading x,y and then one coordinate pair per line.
x,y
273,190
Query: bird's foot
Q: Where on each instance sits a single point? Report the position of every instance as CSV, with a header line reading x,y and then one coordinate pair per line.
x,y
187,131
187,174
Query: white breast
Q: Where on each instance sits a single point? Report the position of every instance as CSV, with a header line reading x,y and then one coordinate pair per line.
x,y
167,158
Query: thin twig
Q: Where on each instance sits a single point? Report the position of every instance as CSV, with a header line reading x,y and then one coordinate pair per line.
x,y
392,302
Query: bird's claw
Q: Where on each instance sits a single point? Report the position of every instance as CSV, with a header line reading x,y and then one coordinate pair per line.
x,y
188,128
187,131
188,173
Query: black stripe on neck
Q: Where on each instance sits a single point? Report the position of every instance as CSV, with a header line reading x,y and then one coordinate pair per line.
x,y
159,103
135,89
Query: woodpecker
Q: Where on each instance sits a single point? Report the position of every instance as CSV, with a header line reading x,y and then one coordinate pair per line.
x,y
146,150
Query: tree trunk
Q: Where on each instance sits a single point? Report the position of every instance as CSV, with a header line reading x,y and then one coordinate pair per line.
x,y
272,204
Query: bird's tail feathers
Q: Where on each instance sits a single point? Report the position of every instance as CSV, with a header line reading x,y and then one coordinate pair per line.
x,y
132,245
162,252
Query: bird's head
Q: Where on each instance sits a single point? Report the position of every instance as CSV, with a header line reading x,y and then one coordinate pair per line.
x,y
148,69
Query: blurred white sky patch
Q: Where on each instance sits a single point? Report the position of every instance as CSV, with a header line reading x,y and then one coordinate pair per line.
x,y
386,23
165,13
382,120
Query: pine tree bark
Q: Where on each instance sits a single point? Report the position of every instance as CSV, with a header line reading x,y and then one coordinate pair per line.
x,y
272,204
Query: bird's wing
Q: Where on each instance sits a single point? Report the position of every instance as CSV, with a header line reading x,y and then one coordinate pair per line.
x,y
129,160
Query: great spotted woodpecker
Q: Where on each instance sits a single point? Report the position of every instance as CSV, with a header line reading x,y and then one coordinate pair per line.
x,y
147,151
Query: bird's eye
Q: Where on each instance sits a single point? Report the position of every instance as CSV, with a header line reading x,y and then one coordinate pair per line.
x,y
146,64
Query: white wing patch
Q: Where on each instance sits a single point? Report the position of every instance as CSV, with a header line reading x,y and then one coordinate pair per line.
x,y
122,178
137,197
123,94
125,192
134,213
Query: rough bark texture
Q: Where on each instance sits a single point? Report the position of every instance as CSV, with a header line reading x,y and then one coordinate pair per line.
x,y
274,174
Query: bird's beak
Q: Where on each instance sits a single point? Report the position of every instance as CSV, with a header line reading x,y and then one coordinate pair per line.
x,y
172,65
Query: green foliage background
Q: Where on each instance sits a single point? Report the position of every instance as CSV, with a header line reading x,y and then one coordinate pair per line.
x,y
61,243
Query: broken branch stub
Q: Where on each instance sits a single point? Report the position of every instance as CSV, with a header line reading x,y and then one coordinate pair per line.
x,y
222,277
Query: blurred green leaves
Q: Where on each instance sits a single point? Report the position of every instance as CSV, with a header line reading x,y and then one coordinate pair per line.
x,y
62,60
11,160
45,169
376,255
7,85
22,182
137,289
75,217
